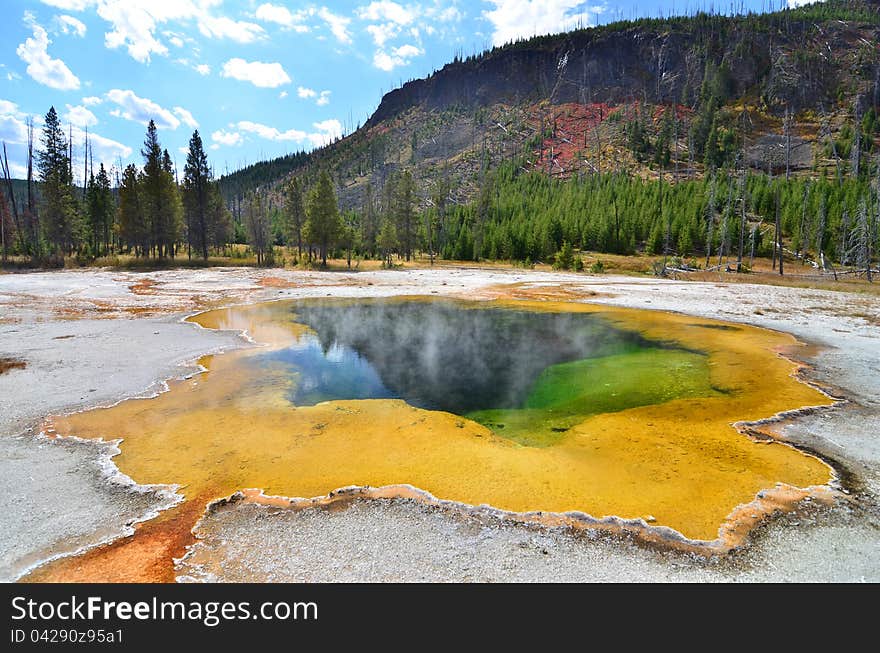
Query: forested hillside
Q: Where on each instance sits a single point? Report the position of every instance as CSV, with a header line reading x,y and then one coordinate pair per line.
x,y
635,136
709,138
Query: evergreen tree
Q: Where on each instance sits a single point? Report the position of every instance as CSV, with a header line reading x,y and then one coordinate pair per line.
x,y
58,203
323,224
404,212
133,228
294,214
259,227
197,179
172,205
101,209
371,222
387,241
160,198
219,218
564,257
152,195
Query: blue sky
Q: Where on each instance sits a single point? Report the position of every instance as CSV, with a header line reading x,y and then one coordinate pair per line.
x,y
258,79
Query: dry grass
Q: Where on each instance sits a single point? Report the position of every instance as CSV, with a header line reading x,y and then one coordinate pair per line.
x,y
796,275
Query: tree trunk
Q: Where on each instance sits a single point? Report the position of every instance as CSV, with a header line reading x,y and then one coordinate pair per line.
x,y
742,223
779,234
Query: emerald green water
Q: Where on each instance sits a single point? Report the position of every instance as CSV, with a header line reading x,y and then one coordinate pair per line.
x,y
527,375
568,393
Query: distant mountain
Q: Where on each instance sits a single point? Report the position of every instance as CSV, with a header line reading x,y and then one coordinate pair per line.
x,y
601,99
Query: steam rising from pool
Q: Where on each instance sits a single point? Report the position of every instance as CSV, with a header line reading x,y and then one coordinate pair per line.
x,y
438,355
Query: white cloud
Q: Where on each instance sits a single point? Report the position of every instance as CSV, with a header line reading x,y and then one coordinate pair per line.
x,y
383,33
271,133
133,27
106,150
338,24
80,116
322,99
235,30
397,57
70,25
223,137
17,171
13,129
445,15
515,19
407,51
45,70
92,101
203,69
800,3
324,133
133,23
282,95
185,117
280,15
275,14
385,10
69,5
7,107
258,73
328,130
141,110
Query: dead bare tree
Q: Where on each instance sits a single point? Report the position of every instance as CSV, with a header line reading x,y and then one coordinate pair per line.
x,y
844,238
801,248
742,222
710,219
864,245
820,238
85,188
856,153
754,238
825,130
32,215
7,177
778,240
3,212
725,228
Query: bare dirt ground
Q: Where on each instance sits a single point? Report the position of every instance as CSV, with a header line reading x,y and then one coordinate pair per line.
x,y
91,338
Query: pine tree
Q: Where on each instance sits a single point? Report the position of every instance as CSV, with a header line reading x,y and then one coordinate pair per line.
x,y
134,230
294,214
258,226
387,241
371,222
197,180
152,183
58,204
324,223
101,209
160,197
219,218
404,212
172,206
